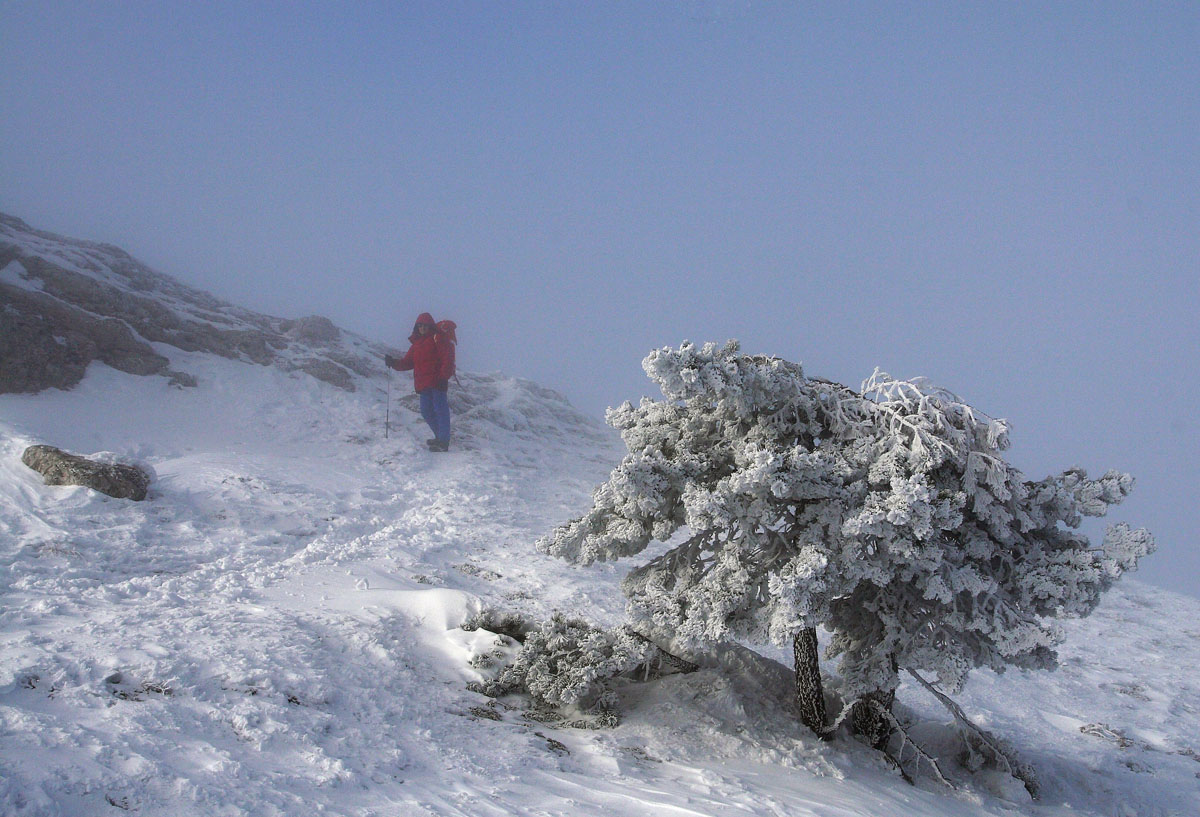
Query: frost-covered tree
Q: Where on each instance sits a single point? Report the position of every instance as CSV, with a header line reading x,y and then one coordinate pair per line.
x,y
885,515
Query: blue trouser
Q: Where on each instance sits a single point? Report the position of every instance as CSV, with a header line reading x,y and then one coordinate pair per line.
x,y
435,408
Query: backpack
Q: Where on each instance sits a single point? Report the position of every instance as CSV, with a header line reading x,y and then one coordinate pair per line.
x,y
446,330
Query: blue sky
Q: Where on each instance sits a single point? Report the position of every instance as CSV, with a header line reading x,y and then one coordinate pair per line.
x,y
1004,197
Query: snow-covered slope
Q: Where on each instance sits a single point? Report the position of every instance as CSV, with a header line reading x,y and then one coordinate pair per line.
x,y
276,631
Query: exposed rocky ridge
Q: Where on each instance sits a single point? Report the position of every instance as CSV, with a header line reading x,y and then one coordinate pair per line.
x,y
66,302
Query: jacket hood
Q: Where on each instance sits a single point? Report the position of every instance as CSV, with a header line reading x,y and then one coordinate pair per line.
x,y
423,318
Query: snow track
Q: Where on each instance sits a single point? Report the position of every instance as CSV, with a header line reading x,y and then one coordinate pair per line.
x,y
276,632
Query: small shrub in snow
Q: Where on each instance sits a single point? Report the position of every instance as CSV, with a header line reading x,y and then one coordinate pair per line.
x,y
568,666
886,515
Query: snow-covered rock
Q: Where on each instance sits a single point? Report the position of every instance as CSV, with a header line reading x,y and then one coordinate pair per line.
x,y
57,467
65,303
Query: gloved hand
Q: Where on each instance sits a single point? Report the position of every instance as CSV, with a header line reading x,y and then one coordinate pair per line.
x,y
443,385
390,361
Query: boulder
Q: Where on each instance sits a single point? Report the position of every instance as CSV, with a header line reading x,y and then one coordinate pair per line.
x,y
328,371
313,329
58,467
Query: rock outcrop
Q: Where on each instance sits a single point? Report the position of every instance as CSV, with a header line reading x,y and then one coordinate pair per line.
x,y
65,303
58,467
47,343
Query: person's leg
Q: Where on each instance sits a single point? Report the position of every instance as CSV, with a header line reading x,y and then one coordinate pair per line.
x,y
441,411
428,410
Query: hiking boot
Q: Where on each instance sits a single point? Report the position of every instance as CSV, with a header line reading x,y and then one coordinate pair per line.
x,y
439,445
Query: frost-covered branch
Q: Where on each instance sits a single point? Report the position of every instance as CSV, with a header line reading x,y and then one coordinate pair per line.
x,y
1000,754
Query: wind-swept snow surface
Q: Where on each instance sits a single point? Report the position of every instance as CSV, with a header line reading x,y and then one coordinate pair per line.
x,y
276,631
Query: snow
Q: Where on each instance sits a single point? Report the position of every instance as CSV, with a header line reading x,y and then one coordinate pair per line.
x,y
15,274
77,258
276,631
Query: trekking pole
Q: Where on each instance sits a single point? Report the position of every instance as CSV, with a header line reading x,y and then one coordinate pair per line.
x,y
387,416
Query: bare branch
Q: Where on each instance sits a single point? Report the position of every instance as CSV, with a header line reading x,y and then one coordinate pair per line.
x,y
905,740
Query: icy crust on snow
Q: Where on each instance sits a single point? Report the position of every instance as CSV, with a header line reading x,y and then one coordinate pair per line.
x,y
277,631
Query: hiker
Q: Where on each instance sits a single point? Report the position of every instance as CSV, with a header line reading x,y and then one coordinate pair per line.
x,y
431,359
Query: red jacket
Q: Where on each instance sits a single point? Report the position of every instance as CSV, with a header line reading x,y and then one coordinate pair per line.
x,y
431,356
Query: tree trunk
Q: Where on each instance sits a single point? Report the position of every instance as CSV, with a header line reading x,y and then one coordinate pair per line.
x,y
867,719
810,696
